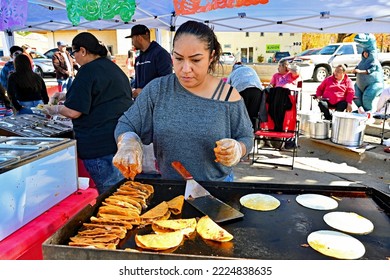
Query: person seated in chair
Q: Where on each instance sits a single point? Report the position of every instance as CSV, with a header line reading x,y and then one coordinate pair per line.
x,y
335,92
286,77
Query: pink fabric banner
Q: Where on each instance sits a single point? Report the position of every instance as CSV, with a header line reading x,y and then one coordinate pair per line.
x,y
12,13
188,7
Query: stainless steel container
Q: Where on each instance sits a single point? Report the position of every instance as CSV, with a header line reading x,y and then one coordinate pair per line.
x,y
304,118
319,129
33,126
35,174
348,128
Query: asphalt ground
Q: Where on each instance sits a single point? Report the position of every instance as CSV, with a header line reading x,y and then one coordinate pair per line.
x,y
322,162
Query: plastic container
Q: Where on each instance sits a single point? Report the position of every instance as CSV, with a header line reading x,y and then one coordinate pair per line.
x,y
83,183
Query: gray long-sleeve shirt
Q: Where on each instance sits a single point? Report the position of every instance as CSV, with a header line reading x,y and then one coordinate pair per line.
x,y
184,127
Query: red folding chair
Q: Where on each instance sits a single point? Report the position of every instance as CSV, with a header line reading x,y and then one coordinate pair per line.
x,y
266,132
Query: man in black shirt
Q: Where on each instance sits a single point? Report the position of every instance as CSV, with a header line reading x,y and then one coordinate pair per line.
x,y
152,62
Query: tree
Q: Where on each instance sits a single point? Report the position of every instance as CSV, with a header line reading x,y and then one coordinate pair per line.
x,y
342,36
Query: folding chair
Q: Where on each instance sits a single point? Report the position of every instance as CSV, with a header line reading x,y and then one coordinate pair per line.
x,y
277,130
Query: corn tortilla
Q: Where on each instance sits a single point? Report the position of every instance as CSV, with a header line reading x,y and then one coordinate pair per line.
x,y
349,222
159,242
317,201
336,244
260,202
209,230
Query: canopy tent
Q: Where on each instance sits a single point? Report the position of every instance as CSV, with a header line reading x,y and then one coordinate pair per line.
x,y
321,16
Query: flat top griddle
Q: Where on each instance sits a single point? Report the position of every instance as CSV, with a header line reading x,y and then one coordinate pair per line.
x,y
278,234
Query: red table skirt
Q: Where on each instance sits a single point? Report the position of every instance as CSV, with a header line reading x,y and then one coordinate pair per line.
x,y
26,243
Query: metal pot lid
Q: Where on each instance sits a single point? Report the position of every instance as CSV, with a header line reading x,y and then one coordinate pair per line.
x,y
350,115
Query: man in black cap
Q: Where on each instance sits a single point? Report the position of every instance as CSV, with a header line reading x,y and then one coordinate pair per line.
x,y
64,66
152,62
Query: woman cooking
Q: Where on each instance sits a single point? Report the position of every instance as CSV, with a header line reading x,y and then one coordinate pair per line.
x,y
186,114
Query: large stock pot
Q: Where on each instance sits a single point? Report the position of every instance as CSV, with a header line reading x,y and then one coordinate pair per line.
x,y
348,128
304,121
319,129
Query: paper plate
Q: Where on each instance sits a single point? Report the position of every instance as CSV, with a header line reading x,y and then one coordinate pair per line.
x,y
336,244
317,201
349,222
260,202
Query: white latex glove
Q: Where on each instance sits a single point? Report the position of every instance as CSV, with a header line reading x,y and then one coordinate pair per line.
x,y
51,109
128,158
228,152
57,97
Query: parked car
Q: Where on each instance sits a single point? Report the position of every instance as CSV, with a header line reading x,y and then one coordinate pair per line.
x,y
279,55
50,53
227,58
348,54
43,64
3,61
307,52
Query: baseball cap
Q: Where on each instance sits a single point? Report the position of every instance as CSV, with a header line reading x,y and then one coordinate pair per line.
x,y
138,29
15,49
61,43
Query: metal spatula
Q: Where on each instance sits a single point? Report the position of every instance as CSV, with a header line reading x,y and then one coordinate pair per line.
x,y
202,200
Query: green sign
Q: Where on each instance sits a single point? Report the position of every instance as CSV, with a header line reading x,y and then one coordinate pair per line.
x,y
271,48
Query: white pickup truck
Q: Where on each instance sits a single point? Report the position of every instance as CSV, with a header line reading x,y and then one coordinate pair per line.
x,y
348,54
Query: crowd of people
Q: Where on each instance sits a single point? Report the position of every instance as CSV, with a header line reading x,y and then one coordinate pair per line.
x,y
164,99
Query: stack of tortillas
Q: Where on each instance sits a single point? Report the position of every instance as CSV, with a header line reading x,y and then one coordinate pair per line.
x,y
260,202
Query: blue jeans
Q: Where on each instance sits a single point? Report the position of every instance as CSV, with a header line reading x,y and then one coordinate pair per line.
x,y
28,105
65,83
103,172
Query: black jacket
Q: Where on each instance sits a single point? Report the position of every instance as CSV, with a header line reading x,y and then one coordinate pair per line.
x,y
153,63
278,103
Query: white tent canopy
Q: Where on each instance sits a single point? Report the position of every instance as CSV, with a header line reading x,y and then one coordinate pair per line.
x,y
321,16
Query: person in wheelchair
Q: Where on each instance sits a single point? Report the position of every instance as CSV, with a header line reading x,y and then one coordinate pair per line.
x,y
335,92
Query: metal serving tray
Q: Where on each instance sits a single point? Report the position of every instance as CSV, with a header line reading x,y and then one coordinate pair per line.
x,y
31,125
279,234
